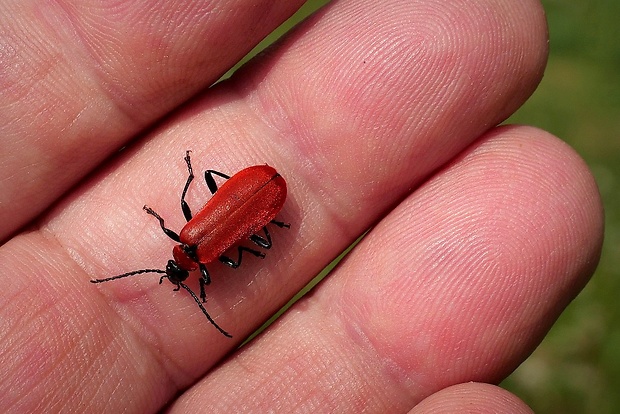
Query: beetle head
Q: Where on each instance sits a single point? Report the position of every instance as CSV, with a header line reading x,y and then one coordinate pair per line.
x,y
174,273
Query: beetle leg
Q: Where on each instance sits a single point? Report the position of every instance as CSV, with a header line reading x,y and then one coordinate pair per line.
x,y
230,262
264,242
211,181
204,280
168,232
203,295
187,212
204,273
281,224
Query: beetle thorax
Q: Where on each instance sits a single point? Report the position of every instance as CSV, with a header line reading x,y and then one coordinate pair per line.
x,y
183,257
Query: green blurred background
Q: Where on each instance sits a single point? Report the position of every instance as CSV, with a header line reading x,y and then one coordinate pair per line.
x,y
577,367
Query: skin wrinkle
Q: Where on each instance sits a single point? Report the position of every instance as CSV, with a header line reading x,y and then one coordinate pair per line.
x,y
42,352
103,47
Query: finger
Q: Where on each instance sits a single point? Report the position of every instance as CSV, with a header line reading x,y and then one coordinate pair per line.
x,y
459,283
473,398
344,172
80,78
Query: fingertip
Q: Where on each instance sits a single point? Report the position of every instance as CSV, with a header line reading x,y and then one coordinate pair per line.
x,y
472,397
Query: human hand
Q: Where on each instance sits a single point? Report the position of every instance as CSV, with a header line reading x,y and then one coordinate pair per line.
x,y
376,114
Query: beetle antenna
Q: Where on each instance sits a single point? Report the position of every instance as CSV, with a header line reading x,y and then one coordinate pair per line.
x,y
202,308
136,272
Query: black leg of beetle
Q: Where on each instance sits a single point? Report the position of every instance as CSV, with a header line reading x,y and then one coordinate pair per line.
x,y
281,224
204,280
168,232
211,181
264,242
187,212
178,285
204,274
203,295
202,308
230,262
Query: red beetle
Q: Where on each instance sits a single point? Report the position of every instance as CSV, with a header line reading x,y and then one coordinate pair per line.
x,y
238,210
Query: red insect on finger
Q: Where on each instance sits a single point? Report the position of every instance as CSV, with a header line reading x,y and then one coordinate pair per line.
x,y
239,210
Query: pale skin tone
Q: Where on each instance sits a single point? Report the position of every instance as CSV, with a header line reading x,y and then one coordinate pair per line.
x,y
376,113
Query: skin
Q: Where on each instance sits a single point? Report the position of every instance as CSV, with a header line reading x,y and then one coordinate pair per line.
x,y
377,114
